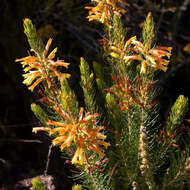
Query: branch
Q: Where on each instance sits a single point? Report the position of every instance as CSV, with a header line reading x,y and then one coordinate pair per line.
x,y
20,140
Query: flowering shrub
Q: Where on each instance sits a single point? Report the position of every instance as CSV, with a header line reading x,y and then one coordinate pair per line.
x,y
116,139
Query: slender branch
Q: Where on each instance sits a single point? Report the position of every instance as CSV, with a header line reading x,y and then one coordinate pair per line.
x,y
19,125
20,140
48,159
113,170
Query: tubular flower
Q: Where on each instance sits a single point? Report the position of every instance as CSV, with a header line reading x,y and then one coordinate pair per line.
x,y
119,51
155,57
41,67
104,10
83,132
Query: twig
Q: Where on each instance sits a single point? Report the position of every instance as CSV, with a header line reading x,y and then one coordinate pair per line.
x,y
18,125
113,170
48,159
20,140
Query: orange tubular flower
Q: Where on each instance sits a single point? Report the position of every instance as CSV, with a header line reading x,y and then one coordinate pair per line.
x,y
83,132
155,57
41,67
104,10
119,51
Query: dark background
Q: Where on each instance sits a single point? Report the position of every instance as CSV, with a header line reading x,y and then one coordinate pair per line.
x,y
65,21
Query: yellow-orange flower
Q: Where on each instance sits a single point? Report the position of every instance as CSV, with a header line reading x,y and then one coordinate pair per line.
x,y
104,10
41,67
155,57
83,132
120,50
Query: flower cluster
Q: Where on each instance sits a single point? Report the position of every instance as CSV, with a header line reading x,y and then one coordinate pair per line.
x,y
128,93
83,132
153,58
104,10
41,67
122,49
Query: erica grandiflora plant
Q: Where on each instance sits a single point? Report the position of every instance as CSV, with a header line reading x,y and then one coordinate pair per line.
x,y
121,105
41,71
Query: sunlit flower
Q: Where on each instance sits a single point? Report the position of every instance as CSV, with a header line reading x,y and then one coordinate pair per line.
x,y
104,10
83,132
122,49
156,57
41,67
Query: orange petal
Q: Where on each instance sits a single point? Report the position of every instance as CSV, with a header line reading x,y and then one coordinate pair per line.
x,y
29,77
100,135
58,140
131,57
102,143
89,117
47,46
35,84
67,142
128,42
52,54
143,67
81,156
48,81
89,7
63,114
78,157
36,129
32,66
27,59
164,48
81,113
60,63
97,150
159,53
54,130
115,55
56,123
